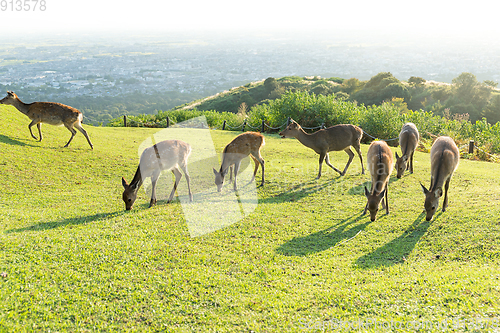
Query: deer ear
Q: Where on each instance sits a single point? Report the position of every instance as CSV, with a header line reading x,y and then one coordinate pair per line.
x,y
124,183
367,193
424,189
215,171
397,156
381,194
438,193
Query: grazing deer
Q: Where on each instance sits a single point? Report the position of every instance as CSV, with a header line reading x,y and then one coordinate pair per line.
x,y
165,155
444,161
245,144
50,113
380,164
408,140
335,138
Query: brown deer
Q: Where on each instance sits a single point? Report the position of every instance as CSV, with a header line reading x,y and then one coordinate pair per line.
x,y
380,164
245,144
444,161
335,138
408,140
50,113
165,155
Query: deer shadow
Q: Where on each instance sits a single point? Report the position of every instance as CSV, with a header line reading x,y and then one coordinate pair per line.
x,y
299,191
42,226
324,239
14,142
399,248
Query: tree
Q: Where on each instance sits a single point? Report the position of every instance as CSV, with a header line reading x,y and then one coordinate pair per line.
x,y
416,81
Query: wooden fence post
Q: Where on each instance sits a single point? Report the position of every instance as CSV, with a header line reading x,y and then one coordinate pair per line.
x,y
263,127
471,147
288,121
168,122
323,126
224,125
244,124
124,121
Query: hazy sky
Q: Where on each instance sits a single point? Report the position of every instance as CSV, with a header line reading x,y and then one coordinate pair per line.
x,y
202,15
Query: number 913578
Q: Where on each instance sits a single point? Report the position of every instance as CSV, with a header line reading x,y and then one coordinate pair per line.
x,y
23,5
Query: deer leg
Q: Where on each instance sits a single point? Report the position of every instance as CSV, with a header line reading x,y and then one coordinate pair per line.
x,y
446,186
73,133
178,176
33,123
351,156
84,132
327,161
236,168
188,179
411,163
258,160
255,168
386,200
39,126
321,158
366,208
231,168
358,150
154,180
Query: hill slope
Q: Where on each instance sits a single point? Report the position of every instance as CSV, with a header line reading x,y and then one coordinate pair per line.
x,y
73,259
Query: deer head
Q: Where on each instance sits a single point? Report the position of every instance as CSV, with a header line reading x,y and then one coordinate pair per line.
x,y
373,202
9,99
431,201
290,130
401,165
129,193
219,178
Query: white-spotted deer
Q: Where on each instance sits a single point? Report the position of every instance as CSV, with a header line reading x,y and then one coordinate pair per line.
x,y
245,144
50,113
380,164
408,140
165,155
444,161
335,138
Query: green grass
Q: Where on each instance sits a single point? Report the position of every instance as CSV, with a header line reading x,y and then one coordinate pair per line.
x,y
74,260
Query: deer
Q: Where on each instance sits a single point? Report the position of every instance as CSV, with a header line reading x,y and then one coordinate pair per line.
x,y
246,144
380,164
51,113
335,138
444,161
165,155
408,140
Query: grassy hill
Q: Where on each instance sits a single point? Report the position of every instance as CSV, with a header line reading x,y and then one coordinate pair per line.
x,y
71,258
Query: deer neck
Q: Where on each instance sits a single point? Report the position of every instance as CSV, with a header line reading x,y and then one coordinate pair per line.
x,y
308,140
22,107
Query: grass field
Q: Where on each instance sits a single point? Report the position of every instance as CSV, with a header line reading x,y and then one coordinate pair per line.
x,y
71,258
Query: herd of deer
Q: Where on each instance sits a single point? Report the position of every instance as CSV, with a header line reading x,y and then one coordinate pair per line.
x,y
173,155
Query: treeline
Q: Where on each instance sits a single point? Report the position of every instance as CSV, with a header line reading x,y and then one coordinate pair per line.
x,y
465,97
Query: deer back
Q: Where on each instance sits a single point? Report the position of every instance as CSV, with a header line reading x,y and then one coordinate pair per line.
x,y
165,155
241,146
341,136
408,138
380,164
444,161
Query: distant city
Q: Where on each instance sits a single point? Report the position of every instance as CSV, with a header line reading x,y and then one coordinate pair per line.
x,y
58,67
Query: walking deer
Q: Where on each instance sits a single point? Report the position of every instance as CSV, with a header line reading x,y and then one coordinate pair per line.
x,y
245,144
335,138
408,140
444,161
380,164
165,155
50,113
